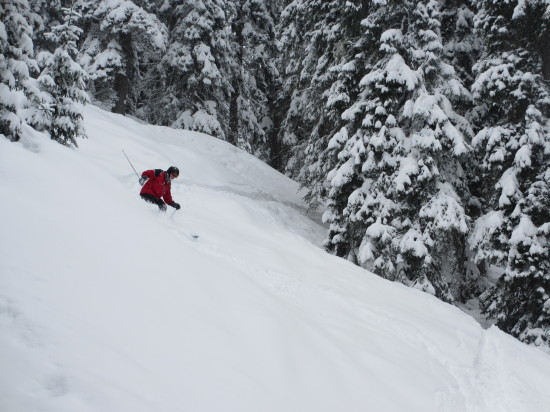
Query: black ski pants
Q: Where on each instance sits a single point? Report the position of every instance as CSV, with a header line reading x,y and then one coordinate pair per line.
x,y
155,200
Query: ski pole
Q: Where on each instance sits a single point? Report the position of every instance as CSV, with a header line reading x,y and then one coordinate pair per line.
x,y
130,163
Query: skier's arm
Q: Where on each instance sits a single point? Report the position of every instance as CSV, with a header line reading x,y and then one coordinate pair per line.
x,y
168,196
146,176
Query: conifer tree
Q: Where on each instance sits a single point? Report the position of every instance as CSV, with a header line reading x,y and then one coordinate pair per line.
x,y
120,36
322,65
397,194
461,44
513,149
17,64
297,97
64,81
254,77
44,15
197,67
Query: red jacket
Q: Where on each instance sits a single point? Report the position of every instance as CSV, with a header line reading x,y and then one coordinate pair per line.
x,y
158,185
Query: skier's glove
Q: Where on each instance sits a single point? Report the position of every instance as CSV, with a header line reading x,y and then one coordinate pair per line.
x,y
163,207
142,180
175,205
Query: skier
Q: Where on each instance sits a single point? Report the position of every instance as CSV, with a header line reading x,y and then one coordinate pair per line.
x,y
156,186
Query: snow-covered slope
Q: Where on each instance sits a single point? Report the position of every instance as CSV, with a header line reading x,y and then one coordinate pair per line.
x,y
107,305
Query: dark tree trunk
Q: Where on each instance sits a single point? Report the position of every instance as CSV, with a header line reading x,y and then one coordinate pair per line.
x,y
233,134
545,55
122,78
274,142
121,87
238,25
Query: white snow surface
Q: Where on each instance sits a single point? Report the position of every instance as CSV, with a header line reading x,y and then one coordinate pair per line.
x,y
108,305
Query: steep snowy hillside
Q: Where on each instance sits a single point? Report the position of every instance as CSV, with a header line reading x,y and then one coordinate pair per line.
x,y
107,305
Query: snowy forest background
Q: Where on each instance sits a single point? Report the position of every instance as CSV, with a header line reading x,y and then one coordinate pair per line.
x,y
420,128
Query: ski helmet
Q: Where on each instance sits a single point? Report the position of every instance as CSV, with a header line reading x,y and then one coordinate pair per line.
x,y
173,170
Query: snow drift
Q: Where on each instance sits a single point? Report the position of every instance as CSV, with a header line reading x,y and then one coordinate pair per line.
x,y
108,305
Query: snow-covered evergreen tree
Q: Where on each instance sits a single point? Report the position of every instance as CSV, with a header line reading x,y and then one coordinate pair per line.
x,y
255,77
197,67
64,81
461,45
322,65
120,36
397,195
43,16
513,148
297,100
17,63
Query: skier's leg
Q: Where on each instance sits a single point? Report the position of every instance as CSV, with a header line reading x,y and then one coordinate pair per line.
x,y
152,199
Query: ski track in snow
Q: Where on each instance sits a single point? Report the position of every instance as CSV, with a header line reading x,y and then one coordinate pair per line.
x,y
469,380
